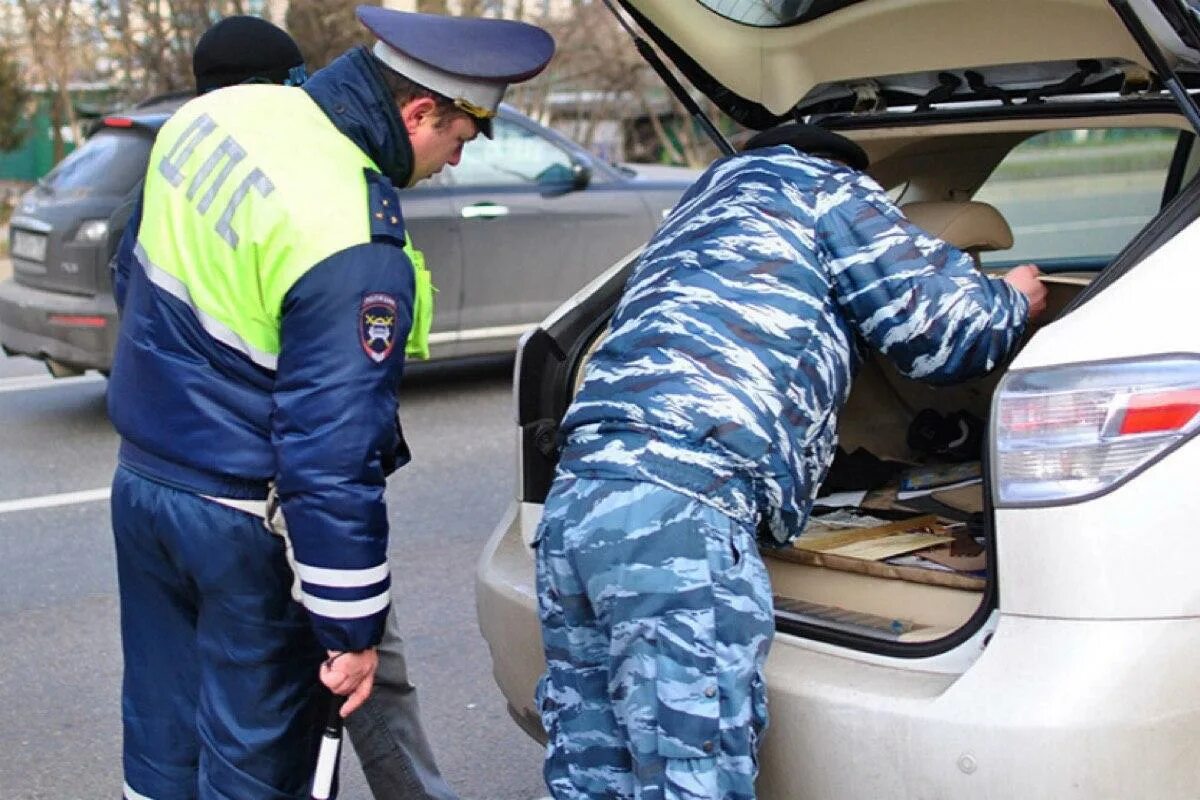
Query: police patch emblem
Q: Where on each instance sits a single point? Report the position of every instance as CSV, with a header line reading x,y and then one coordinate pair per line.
x,y
377,325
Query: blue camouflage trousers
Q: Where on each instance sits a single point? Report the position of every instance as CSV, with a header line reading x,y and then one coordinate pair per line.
x,y
656,620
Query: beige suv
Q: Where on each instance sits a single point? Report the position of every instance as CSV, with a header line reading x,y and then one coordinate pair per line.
x,y
1049,648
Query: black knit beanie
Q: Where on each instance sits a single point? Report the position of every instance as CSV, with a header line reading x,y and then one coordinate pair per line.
x,y
240,49
812,139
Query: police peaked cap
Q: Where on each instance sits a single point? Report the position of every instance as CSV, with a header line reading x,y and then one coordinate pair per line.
x,y
811,139
467,59
240,49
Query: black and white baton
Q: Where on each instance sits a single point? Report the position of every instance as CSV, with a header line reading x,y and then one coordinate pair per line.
x,y
331,745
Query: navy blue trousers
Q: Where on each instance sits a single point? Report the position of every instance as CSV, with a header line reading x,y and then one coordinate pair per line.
x,y
220,698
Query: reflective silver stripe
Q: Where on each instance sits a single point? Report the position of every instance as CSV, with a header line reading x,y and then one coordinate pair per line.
x,y
347,609
130,794
215,328
342,578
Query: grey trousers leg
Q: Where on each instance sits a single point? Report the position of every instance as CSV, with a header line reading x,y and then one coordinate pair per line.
x,y
387,735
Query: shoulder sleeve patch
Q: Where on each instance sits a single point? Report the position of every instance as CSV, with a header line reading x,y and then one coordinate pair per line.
x,y
377,325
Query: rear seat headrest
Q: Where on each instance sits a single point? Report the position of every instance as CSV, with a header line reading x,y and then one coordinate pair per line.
x,y
967,224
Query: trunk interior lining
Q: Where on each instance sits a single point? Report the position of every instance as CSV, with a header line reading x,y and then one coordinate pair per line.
x,y
881,406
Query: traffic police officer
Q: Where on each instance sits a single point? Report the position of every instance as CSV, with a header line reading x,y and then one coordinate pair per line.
x,y
262,338
707,415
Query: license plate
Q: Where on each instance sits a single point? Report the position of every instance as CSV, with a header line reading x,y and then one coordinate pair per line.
x,y
30,246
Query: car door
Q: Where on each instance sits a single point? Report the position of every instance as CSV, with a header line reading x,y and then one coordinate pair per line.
x,y
433,226
538,221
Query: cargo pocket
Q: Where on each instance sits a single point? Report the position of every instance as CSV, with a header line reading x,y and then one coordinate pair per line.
x,y
688,713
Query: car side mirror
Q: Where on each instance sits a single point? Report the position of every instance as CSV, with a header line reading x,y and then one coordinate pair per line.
x,y
562,179
581,173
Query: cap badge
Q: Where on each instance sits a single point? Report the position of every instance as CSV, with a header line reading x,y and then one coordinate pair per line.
x,y
479,112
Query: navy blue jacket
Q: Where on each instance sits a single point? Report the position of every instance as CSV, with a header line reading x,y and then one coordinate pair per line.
x,y
198,414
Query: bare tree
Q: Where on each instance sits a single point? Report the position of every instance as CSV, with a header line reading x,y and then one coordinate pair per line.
x,y
676,137
325,29
594,74
156,50
56,46
473,8
598,78
596,82
14,103
151,41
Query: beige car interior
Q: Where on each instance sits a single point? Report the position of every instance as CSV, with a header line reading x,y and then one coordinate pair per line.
x,y
881,407
969,225
778,66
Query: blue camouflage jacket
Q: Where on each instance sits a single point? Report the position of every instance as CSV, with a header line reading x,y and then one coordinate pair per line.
x,y
731,352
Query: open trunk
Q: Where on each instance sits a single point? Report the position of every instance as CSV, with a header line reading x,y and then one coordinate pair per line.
x,y
843,587
908,599
1043,189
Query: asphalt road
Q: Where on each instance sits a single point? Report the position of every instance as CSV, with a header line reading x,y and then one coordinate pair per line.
x,y
60,659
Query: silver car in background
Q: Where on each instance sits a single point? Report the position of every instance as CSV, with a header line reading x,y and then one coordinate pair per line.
x,y
524,221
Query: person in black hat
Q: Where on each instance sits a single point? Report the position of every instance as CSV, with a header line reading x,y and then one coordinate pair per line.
x,y
234,50
269,298
245,49
704,426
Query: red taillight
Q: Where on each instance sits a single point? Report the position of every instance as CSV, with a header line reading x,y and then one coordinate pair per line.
x,y
1160,412
1069,432
78,320
118,122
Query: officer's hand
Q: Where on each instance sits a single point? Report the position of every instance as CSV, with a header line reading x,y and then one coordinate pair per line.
x,y
350,674
1026,281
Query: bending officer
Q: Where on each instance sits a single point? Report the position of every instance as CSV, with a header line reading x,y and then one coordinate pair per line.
x,y
707,418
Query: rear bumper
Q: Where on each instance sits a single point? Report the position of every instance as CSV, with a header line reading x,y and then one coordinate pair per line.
x,y
1051,708
26,326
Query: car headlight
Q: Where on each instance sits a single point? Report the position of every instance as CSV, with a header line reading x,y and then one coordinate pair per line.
x,y
92,231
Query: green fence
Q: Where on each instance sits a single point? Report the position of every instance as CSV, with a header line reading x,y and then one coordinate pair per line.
x,y
36,156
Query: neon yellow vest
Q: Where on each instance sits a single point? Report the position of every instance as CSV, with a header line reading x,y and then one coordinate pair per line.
x,y
244,208
423,289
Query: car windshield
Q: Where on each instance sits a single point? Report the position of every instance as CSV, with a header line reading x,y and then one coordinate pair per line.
x,y
110,162
773,13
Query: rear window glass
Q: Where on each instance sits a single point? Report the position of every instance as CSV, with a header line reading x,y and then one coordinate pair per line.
x,y
774,13
1078,196
110,162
